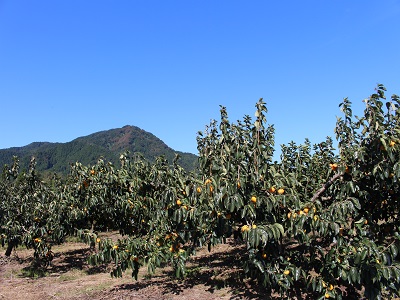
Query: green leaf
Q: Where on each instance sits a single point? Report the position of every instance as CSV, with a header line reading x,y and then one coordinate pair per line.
x,y
335,227
357,259
363,254
280,228
343,274
259,266
314,283
396,273
354,275
386,273
393,250
383,142
297,273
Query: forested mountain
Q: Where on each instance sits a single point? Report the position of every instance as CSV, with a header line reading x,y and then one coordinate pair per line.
x,y
109,144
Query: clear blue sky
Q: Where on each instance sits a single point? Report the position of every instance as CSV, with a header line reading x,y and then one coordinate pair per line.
x,y
72,68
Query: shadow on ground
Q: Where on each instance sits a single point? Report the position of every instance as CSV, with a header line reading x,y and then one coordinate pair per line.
x,y
215,271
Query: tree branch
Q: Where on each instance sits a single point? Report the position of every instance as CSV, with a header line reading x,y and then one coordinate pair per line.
x,y
325,186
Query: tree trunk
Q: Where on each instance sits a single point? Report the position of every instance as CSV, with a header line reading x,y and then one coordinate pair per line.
x,y
10,247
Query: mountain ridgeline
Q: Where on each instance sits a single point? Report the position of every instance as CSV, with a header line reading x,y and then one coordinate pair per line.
x,y
109,144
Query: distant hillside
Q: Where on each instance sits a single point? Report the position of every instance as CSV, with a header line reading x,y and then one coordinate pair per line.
x,y
56,157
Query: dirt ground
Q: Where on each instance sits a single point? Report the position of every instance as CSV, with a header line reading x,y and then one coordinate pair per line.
x,y
70,277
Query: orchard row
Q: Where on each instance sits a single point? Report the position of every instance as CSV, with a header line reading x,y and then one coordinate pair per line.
x,y
320,222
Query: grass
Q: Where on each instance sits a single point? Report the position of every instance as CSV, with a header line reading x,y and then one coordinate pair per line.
x,y
33,272
71,275
193,271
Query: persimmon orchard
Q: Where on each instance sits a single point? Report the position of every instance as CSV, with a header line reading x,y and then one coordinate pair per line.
x,y
322,222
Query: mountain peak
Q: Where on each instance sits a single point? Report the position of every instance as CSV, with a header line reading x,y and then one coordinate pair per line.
x,y
56,157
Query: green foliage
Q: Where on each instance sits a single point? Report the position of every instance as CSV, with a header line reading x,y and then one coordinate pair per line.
x,y
29,212
319,223
56,157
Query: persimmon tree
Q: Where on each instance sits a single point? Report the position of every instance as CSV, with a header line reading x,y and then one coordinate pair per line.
x,y
30,212
312,223
322,222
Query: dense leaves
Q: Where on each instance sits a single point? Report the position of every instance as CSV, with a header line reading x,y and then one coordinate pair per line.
x,y
322,222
